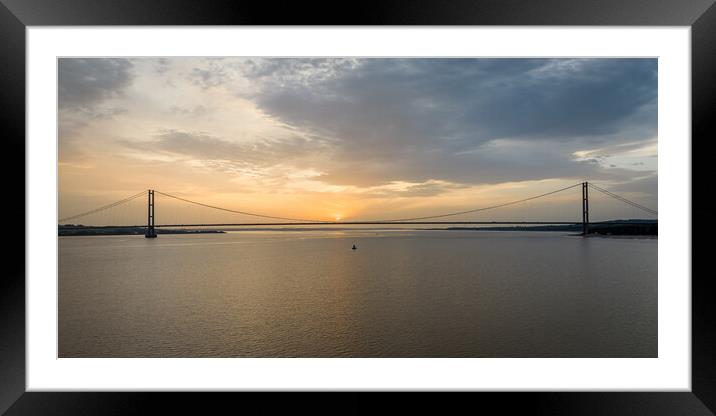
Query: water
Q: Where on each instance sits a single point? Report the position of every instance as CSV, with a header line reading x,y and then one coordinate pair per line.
x,y
400,294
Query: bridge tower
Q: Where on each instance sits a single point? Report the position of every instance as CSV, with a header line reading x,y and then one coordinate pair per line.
x,y
585,208
151,232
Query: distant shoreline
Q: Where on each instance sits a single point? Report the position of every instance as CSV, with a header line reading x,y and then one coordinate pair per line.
x,y
625,237
78,230
622,228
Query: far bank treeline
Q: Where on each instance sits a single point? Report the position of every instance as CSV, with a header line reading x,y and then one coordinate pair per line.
x,y
620,227
72,230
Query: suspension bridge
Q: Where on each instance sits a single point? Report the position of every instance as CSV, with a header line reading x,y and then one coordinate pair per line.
x,y
465,217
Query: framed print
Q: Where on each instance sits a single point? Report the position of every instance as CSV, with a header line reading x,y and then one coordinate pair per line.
x,y
462,199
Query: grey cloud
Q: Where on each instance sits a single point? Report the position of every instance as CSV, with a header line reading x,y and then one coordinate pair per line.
x,y
490,166
423,119
206,78
83,86
101,113
307,71
211,74
428,188
83,82
226,155
618,148
162,65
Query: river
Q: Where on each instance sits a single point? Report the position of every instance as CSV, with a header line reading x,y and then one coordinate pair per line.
x,y
402,293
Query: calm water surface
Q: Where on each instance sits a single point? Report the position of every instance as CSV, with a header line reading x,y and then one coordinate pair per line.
x,y
401,294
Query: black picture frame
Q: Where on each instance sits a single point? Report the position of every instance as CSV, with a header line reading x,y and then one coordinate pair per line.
x,y
15,15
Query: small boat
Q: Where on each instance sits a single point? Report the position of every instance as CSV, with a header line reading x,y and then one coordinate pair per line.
x,y
354,247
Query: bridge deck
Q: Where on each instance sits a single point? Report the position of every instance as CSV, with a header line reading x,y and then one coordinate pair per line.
x,y
254,224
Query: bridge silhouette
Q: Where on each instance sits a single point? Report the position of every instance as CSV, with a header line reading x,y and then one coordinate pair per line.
x,y
438,219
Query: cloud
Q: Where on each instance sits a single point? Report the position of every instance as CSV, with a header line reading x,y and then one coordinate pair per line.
x,y
225,155
162,65
467,121
84,86
210,73
640,148
377,127
101,113
425,189
195,111
83,82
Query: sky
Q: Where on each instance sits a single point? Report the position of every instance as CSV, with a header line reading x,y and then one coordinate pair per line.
x,y
350,138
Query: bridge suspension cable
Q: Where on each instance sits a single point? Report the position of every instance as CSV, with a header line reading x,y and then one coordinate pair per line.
x,y
384,220
481,209
241,212
102,208
621,198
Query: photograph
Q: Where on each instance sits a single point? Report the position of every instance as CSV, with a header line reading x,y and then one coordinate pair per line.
x,y
357,207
